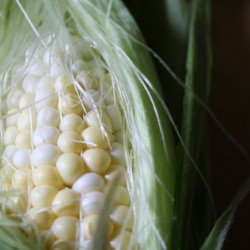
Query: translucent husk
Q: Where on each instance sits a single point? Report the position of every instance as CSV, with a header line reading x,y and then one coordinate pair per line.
x,y
116,44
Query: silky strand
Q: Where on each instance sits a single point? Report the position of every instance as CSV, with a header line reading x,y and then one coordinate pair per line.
x,y
78,88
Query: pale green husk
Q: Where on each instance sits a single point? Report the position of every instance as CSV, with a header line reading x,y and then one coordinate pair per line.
x,y
111,33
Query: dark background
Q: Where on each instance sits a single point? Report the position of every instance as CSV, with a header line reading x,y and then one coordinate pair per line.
x,y
230,101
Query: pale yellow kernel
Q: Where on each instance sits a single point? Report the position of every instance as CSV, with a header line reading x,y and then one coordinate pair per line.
x,y
89,182
16,202
72,122
117,154
65,227
27,119
46,98
48,116
70,141
92,202
10,135
115,116
94,137
13,98
12,117
45,82
43,217
66,202
70,103
97,159
21,178
90,224
23,140
42,196
21,158
70,167
63,85
121,241
46,175
45,154
8,154
116,173
63,245
45,135
121,196
122,216
26,100
30,83
100,119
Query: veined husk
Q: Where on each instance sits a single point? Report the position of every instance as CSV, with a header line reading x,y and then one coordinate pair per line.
x,y
116,44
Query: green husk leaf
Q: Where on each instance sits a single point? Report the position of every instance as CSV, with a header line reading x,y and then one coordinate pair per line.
x,y
218,234
193,128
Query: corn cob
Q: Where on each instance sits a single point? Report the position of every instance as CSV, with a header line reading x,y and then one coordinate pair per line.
x,y
70,115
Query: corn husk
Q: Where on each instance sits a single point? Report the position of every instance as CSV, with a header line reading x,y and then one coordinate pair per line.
x,y
113,39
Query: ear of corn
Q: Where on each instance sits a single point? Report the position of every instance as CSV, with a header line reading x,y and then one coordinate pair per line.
x,y
82,125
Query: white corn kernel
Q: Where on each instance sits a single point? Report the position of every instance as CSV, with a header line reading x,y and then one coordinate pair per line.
x,y
42,196
8,153
13,98
121,196
27,119
117,154
72,122
120,215
89,182
30,83
66,202
70,141
45,82
45,135
26,100
97,159
121,241
70,167
12,117
63,245
43,217
45,154
90,224
95,120
17,203
23,139
65,227
10,135
94,137
92,203
115,116
20,179
21,158
46,175
45,98
116,172
48,116
63,85
70,103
